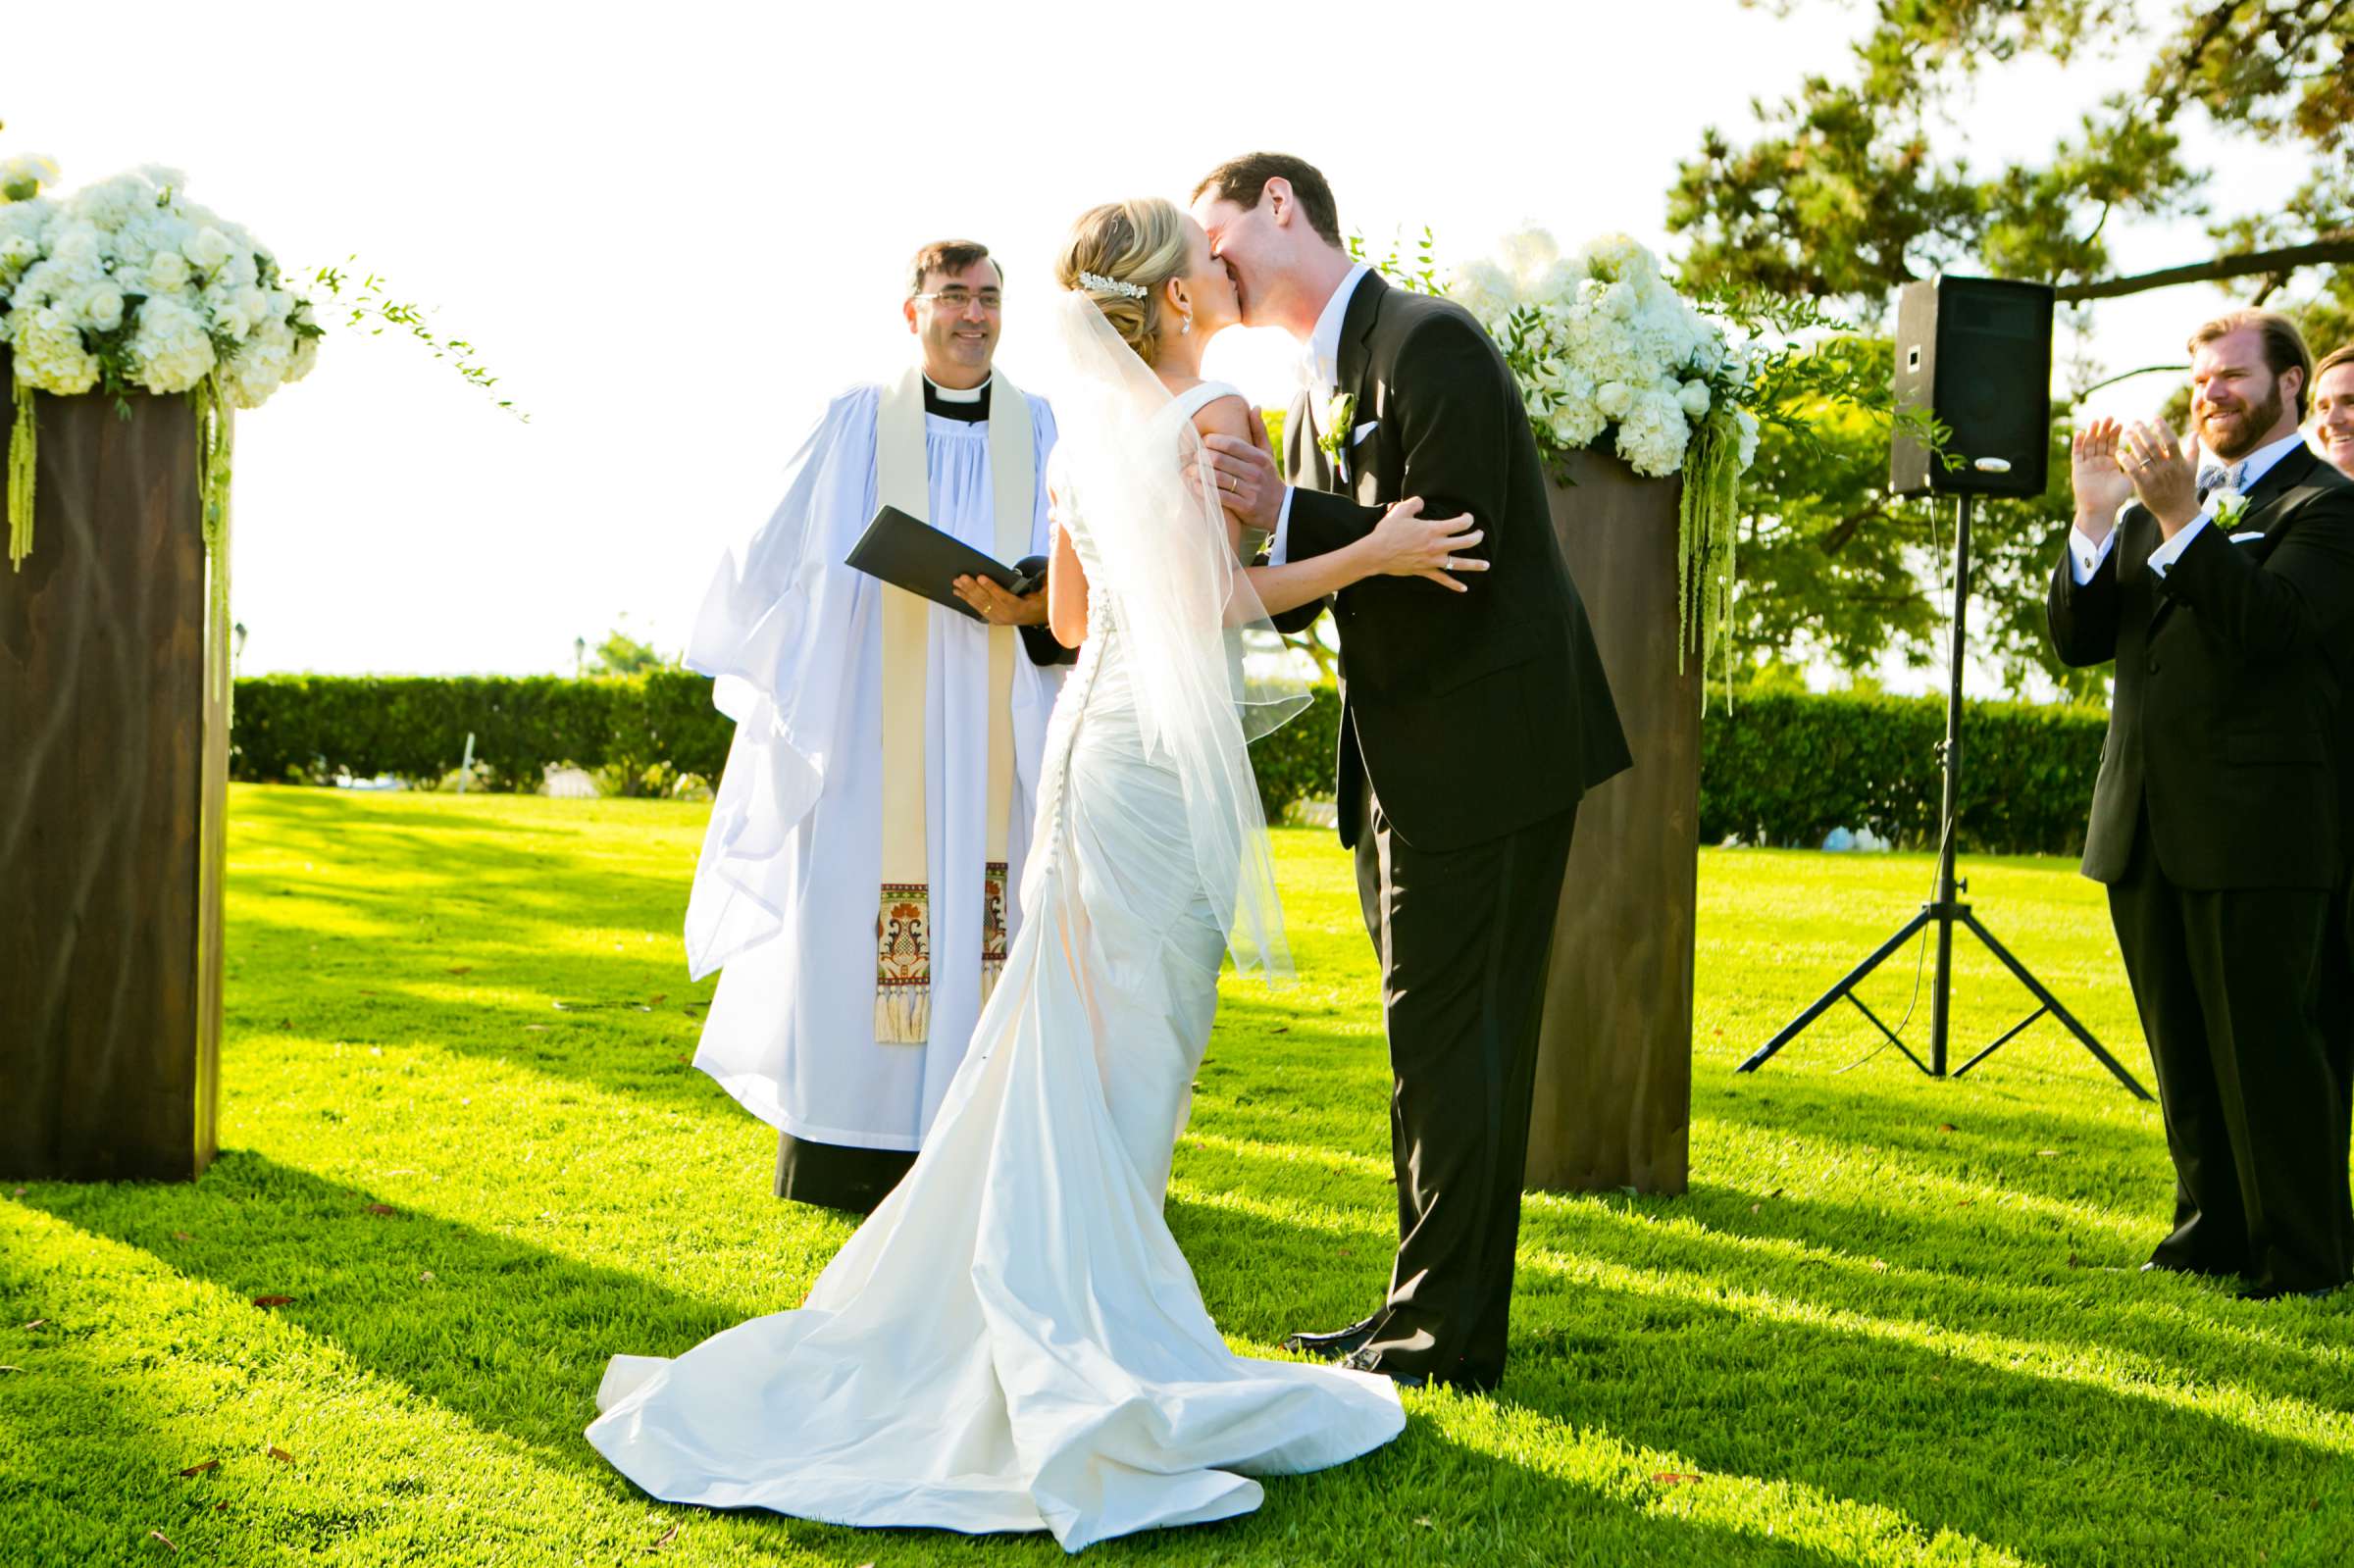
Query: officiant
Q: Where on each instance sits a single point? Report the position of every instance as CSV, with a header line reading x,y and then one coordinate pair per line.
x,y
857,880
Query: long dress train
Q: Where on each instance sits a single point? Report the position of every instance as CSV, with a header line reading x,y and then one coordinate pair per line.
x,y
1013,1341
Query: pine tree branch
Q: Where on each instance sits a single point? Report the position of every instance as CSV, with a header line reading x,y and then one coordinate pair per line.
x,y
2330,250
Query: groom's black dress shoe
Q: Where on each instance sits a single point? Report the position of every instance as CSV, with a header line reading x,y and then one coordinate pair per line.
x,y
1333,1347
1362,1360
2281,1292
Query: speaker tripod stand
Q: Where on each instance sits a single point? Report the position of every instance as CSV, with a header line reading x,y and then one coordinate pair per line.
x,y
1946,910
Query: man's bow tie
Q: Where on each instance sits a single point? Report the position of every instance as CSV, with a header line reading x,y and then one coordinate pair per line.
x,y
2214,477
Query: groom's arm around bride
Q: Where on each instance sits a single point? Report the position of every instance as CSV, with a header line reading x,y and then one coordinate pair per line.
x,y
1471,724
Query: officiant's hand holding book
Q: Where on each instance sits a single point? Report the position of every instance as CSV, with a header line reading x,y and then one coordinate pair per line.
x,y
911,554
1023,605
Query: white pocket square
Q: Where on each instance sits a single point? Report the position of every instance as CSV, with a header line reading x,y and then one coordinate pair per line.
x,y
1361,432
2252,534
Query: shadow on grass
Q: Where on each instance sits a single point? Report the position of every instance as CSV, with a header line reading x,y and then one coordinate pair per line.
x,y
1969,1434
510,1335
513,1339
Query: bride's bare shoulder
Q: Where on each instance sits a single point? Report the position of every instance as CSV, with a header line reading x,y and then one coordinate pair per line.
x,y
1224,414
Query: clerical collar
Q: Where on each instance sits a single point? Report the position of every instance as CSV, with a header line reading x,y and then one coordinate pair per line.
x,y
968,404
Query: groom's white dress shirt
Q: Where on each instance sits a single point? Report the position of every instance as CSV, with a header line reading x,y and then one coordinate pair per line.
x,y
2085,557
1319,372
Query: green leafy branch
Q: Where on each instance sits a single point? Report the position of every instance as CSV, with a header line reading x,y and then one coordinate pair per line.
x,y
365,300
1419,275
1790,380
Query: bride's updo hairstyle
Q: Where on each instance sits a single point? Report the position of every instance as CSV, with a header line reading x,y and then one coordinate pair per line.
x,y
1139,245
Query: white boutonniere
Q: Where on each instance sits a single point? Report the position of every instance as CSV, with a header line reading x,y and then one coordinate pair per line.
x,y
2229,507
1340,414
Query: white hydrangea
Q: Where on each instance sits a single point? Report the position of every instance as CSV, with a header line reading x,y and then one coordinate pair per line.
x,y
170,351
260,364
126,281
306,355
49,352
1601,341
1653,436
77,251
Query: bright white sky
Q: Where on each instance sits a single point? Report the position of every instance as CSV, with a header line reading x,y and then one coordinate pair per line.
x,y
676,232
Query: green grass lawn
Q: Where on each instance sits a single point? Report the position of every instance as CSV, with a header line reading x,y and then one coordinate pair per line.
x,y
1894,1321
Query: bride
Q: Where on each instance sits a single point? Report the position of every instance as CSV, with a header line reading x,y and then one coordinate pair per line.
x,y
1012,1342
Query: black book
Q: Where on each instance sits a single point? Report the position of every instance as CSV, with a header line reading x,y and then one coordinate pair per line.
x,y
910,553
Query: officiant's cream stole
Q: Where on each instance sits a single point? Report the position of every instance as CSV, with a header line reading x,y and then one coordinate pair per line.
x,y
903,926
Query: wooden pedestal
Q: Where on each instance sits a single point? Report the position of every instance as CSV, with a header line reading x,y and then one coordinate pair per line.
x,y
1613,1096
114,767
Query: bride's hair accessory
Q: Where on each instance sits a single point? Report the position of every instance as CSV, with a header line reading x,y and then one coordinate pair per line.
x,y
1113,286
1119,258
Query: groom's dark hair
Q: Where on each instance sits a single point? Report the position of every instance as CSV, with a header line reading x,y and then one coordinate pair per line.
x,y
1243,180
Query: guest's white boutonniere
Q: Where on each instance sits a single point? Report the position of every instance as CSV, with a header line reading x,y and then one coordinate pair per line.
x,y
1340,417
2229,507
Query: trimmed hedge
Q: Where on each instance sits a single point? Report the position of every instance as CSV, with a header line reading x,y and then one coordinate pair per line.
x,y
1786,767
1783,768
1294,763
307,728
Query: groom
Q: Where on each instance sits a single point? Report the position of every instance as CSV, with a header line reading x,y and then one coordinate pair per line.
x,y
1470,726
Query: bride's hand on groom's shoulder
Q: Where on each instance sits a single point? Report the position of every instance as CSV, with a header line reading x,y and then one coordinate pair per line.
x,y
1406,544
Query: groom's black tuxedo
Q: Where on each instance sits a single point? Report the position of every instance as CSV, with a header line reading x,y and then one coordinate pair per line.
x,y
1473,713
2220,828
1470,726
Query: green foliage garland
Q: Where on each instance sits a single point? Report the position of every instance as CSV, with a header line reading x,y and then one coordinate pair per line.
x,y
24,450
214,446
1706,515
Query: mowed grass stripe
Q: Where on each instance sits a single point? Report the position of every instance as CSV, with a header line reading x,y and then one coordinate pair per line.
x,y
1894,1321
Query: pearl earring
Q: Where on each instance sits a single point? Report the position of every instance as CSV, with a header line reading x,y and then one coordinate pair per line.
x,y
1186,325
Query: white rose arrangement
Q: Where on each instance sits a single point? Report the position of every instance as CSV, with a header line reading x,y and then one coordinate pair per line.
x,y
1603,346
127,286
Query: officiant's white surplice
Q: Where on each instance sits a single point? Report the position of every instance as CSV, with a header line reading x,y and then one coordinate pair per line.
x,y
785,893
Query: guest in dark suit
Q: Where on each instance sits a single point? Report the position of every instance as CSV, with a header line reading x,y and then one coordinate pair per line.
x,y
2225,592
2332,404
1471,723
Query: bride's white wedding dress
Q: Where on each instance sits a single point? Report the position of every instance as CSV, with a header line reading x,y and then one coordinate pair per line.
x,y
1013,1341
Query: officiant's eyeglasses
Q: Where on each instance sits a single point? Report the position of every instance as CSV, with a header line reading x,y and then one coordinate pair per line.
x,y
957,301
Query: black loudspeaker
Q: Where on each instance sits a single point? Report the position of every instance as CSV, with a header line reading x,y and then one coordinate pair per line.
x,y
1975,352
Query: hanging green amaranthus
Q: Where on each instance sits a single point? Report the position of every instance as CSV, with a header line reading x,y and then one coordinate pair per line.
x,y
1707,520
214,443
22,451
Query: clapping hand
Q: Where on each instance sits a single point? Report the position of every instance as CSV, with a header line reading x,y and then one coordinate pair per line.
x,y
2152,457
2100,484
